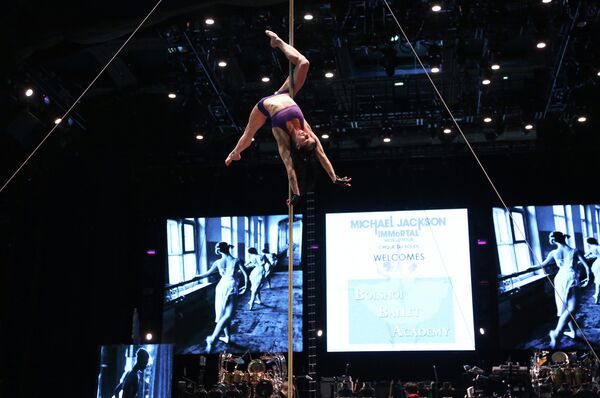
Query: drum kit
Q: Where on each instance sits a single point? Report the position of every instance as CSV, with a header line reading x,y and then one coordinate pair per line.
x,y
560,370
263,377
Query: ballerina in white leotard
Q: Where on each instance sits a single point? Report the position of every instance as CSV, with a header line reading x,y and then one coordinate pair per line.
x,y
565,282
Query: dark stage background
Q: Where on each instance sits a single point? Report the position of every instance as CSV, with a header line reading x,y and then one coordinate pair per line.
x,y
77,222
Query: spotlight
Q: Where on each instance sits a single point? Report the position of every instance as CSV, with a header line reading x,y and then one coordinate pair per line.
x,y
435,69
504,77
397,84
387,139
487,119
486,82
541,44
329,75
598,74
222,64
199,137
209,21
265,79
546,1
582,119
436,8
325,136
149,336
447,130
394,38
528,126
28,92
308,16
319,333
172,95
481,331
46,100
495,67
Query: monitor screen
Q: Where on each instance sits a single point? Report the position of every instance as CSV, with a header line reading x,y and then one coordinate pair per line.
x,y
547,275
135,371
399,281
227,284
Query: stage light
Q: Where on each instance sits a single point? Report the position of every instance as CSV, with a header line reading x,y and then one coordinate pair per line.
x,y
598,74
546,1
319,333
541,44
504,77
149,336
325,136
387,139
487,119
582,119
222,64
481,331
486,82
329,75
57,120
447,130
308,16
394,38
199,137
495,67
397,84
209,21
172,95
28,92
46,100
436,8
265,79
435,69
528,126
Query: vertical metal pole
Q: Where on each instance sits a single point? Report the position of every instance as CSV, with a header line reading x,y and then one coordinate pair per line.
x,y
290,371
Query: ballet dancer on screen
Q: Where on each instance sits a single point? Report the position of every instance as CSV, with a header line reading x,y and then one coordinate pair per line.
x,y
566,282
294,136
256,276
594,254
225,291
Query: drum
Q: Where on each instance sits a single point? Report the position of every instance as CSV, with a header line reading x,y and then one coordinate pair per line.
x,y
557,375
256,366
263,389
238,376
226,378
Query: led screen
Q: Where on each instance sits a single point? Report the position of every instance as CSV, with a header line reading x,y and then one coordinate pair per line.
x,y
399,281
548,277
129,371
237,301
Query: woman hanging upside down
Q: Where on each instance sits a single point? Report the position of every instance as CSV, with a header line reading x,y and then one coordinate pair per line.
x,y
292,133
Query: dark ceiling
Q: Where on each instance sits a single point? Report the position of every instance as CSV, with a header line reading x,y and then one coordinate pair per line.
x,y
378,88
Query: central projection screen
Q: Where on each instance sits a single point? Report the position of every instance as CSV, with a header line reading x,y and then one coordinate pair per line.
x,y
399,281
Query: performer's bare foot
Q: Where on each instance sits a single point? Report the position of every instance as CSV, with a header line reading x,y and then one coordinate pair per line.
x,y
224,339
570,333
231,157
250,305
209,343
273,36
552,335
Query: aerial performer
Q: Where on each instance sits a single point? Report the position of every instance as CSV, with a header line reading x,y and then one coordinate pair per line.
x,y
296,142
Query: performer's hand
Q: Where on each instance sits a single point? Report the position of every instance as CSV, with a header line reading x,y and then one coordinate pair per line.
x,y
343,181
294,201
242,290
231,157
273,36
